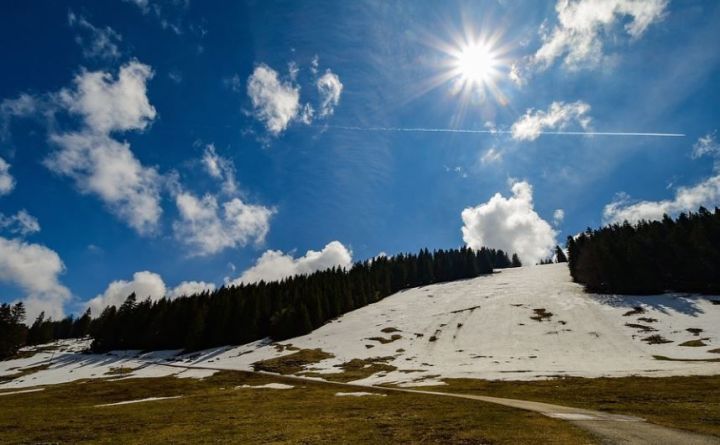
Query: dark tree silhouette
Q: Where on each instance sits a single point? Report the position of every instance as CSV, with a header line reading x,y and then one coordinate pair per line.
x,y
681,254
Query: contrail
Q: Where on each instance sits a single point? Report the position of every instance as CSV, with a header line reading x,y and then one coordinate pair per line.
x,y
460,130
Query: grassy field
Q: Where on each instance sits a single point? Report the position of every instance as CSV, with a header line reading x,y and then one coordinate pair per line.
x,y
214,411
690,403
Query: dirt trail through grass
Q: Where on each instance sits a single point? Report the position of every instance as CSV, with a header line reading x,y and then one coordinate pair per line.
x,y
609,428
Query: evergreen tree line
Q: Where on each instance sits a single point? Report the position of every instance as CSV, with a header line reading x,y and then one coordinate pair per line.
x,y
283,309
14,334
681,254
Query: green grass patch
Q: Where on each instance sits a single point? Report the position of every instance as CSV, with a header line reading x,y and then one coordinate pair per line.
x,y
292,363
690,403
210,411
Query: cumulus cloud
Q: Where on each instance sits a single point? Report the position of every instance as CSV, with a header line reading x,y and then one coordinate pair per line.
x,y
107,168
107,104
220,168
100,164
22,223
35,269
622,208
558,216
275,103
96,42
510,224
560,114
583,25
187,288
144,284
706,193
207,227
7,182
705,146
275,265
330,88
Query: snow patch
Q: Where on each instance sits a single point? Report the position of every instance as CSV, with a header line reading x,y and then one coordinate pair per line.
x,y
358,394
128,402
267,386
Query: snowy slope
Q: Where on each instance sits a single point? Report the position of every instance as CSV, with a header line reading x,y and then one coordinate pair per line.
x,y
482,328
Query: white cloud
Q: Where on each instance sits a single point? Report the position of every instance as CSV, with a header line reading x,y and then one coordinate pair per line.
x,y
208,227
107,168
510,224
23,106
7,182
220,168
492,155
100,164
22,223
330,88
557,117
275,103
584,24
558,216
108,104
314,64
99,42
705,193
36,270
275,265
187,288
707,145
145,285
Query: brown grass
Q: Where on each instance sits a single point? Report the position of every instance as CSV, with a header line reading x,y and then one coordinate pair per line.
x,y
541,315
690,403
656,340
121,370
357,369
210,411
693,343
24,372
292,363
384,340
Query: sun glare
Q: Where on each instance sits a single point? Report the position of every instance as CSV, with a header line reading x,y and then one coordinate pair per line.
x,y
476,63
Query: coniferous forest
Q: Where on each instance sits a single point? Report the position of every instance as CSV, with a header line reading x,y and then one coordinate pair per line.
x,y
280,310
248,312
681,254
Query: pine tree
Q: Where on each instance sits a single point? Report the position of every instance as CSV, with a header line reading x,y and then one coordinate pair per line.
x,y
516,261
560,255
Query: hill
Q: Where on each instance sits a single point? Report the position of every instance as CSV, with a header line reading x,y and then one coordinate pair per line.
x,y
517,324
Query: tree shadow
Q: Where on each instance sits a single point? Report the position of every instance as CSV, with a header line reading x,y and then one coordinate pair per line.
x,y
688,304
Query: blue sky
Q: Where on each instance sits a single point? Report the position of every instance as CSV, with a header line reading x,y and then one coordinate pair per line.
x,y
147,145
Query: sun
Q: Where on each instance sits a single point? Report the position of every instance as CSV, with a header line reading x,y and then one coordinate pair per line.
x,y
476,63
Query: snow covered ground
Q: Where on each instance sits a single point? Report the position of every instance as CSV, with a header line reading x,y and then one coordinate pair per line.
x,y
518,324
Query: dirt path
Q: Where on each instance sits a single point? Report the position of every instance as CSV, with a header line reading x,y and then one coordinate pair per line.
x,y
611,429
